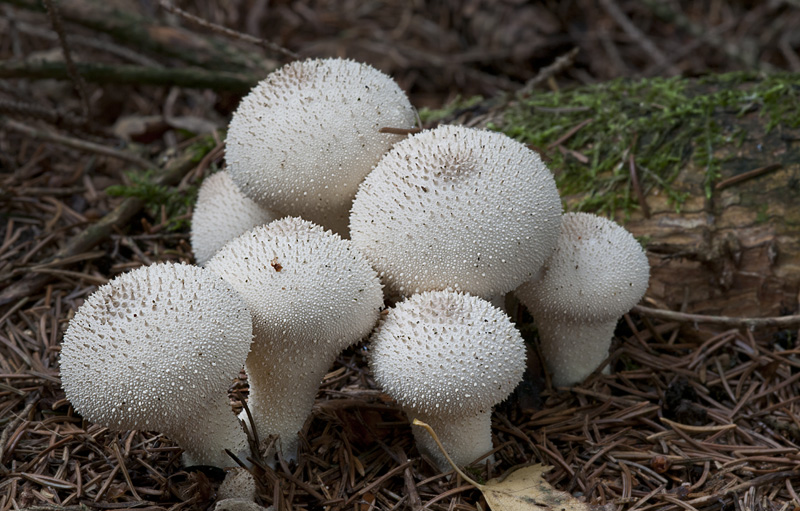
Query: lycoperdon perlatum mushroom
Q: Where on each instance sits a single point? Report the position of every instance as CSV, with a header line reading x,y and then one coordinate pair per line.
x,y
597,273
457,208
447,358
304,138
157,349
222,213
311,295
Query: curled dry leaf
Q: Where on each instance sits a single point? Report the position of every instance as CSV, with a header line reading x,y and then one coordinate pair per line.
x,y
521,489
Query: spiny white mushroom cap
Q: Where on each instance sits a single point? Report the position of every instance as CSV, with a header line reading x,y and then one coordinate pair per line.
x,y
447,358
222,213
305,137
156,349
598,272
458,208
447,352
311,295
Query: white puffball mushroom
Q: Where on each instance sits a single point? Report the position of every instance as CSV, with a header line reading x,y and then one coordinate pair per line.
x,y
222,213
311,295
304,138
157,349
238,492
447,358
457,208
239,483
597,273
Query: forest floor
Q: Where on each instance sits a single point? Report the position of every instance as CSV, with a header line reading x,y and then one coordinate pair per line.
x,y
112,113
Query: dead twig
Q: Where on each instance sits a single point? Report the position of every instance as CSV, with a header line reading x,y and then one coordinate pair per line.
x,y
561,63
75,143
195,78
77,81
744,176
90,237
268,45
751,323
633,31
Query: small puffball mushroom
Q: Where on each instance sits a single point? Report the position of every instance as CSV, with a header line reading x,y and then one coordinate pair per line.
x,y
304,138
447,358
157,349
238,492
221,214
238,484
457,208
596,274
311,295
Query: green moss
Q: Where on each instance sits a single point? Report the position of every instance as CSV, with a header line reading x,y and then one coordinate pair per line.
x,y
155,197
664,123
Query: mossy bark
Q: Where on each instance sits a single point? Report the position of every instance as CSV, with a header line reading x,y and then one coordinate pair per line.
x,y
730,250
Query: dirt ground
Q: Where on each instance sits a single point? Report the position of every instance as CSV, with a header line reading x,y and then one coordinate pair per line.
x,y
112,113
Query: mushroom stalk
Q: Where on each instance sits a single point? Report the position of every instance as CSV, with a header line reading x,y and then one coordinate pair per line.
x,y
311,295
573,350
283,385
597,272
452,430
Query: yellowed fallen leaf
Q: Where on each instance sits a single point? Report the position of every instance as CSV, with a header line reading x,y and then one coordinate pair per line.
x,y
523,489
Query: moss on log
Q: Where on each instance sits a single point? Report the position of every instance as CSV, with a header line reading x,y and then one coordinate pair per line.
x,y
705,172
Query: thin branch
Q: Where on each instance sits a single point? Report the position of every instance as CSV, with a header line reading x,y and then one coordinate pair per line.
x,y
77,81
633,31
95,43
123,22
75,143
195,78
51,115
751,323
267,45
561,63
744,176
101,230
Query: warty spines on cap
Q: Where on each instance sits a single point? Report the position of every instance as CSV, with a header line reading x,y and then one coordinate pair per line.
x,y
223,212
305,137
457,208
598,272
447,352
154,346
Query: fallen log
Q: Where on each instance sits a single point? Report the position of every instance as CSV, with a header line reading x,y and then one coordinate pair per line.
x,y
705,172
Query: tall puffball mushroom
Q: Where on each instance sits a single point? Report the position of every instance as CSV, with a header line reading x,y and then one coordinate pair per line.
x,y
304,138
157,349
458,208
447,358
222,213
311,295
596,274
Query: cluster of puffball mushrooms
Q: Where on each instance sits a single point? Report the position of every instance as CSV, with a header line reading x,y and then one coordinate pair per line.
x,y
318,221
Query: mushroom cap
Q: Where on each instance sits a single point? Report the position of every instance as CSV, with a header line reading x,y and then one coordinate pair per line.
x,y
155,349
304,138
597,273
305,286
447,352
457,208
311,295
221,214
